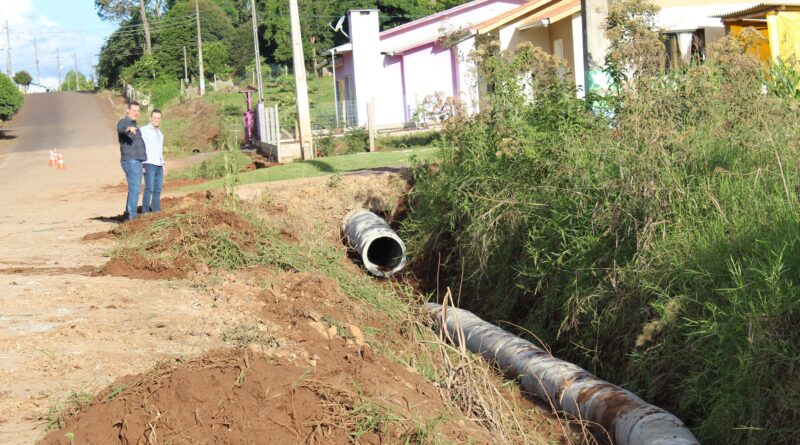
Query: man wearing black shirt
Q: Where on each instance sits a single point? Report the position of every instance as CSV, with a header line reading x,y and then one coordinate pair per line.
x,y
133,153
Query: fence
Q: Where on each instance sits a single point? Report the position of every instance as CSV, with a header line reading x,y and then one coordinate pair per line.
x,y
133,95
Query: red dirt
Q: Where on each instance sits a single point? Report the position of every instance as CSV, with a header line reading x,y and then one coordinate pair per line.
x,y
317,383
167,259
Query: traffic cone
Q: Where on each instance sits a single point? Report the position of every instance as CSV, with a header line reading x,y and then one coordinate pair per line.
x,y
51,159
61,162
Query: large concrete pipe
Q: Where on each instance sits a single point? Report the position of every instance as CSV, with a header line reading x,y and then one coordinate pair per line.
x,y
381,250
628,419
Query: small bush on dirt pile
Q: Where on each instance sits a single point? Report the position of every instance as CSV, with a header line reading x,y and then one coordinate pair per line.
x,y
659,249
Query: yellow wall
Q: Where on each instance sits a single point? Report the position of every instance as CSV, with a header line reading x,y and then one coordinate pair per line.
x,y
762,50
537,36
788,35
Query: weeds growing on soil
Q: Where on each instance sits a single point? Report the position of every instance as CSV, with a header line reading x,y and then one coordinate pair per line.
x,y
659,248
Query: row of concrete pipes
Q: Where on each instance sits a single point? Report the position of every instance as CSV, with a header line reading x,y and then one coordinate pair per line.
x,y
567,387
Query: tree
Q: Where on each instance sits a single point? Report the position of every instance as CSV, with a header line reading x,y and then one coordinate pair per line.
x,y
216,57
10,98
119,10
23,78
170,40
83,83
122,49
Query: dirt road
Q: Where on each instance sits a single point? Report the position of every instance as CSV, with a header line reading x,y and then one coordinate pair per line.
x,y
62,330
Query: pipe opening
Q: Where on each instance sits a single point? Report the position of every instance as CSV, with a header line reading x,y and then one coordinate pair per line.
x,y
385,252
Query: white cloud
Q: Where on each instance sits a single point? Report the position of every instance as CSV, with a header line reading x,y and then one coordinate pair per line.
x,y
26,21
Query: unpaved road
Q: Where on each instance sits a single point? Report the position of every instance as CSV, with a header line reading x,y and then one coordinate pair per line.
x,y
62,330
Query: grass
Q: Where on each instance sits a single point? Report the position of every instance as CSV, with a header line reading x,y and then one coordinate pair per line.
x,y
328,166
657,246
61,410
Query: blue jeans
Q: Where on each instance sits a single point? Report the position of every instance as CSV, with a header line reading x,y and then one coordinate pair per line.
x,y
153,180
133,174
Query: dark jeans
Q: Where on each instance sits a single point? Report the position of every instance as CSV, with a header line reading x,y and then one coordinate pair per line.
x,y
153,180
133,174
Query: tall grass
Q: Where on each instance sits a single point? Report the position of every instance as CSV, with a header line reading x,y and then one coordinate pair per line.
x,y
659,248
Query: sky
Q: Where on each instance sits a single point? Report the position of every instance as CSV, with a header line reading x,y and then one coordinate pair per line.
x,y
71,26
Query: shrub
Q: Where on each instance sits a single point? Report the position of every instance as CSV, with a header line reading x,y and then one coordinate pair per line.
x,y
661,250
10,98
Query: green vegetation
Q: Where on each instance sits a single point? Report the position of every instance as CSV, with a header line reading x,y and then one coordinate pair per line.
x,y
23,78
216,167
328,166
76,81
659,248
10,98
61,410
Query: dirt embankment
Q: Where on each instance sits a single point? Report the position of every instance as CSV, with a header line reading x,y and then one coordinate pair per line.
x,y
314,363
305,375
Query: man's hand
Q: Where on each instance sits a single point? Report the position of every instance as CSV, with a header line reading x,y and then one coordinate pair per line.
x,y
131,130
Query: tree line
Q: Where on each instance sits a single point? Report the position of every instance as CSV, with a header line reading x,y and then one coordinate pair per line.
x,y
154,35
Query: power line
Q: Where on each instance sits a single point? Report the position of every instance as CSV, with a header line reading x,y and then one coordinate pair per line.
x,y
120,27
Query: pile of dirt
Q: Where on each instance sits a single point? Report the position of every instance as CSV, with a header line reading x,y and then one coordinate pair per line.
x,y
309,376
191,234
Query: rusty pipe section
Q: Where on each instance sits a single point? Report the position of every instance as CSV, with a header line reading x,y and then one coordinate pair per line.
x,y
628,419
381,250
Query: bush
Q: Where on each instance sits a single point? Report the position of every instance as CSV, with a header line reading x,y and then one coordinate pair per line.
x,y
10,98
215,167
660,250
356,140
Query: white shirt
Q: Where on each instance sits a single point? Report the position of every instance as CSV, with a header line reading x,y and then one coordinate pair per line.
x,y
154,143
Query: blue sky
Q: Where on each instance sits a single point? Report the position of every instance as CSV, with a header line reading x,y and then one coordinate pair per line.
x,y
71,26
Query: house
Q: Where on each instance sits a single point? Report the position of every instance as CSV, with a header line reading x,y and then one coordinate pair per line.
x,y
779,24
398,68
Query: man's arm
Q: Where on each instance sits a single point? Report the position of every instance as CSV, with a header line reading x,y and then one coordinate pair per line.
x,y
124,126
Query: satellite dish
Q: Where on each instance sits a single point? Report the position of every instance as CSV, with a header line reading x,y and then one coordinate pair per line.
x,y
338,27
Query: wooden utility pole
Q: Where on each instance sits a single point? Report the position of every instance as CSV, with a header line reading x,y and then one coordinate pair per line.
x,y
77,80
200,49
148,49
36,54
58,67
300,86
9,69
185,66
258,53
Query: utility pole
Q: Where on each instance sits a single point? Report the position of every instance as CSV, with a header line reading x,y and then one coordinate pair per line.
x,y
200,49
75,61
185,66
36,54
258,53
300,86
9,69
58,67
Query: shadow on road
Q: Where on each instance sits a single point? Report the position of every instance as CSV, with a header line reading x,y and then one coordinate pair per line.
x,y
4,135
119,219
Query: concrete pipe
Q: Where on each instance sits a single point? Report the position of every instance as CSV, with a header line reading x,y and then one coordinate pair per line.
x,y
628,419
381,250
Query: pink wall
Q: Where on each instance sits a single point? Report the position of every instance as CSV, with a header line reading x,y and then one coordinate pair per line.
x,y
389,100
428,70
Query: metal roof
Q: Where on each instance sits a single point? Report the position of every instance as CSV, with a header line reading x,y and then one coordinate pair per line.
x,y
760,7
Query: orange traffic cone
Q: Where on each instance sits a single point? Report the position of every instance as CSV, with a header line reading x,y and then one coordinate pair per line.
x,y
51,159
61,162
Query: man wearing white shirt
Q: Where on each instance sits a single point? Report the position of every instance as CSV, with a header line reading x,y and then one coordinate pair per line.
x,y
154,166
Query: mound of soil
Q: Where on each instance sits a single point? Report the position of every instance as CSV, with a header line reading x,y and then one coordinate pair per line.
x,y
315,382
168,250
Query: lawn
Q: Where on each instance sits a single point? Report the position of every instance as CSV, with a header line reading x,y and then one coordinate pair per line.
x,y
329,166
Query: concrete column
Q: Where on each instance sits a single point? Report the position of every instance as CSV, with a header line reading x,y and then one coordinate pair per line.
x,y
595,44
577,55
364,36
